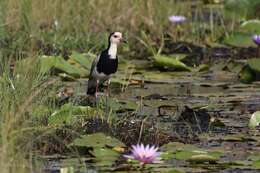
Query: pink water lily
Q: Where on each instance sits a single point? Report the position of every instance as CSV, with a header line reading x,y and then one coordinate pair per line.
x,y
144,154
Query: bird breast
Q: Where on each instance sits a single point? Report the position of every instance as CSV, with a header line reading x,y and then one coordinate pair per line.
x,y
107,66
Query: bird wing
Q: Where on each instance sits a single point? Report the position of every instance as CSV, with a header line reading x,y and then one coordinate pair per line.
x,y
94,64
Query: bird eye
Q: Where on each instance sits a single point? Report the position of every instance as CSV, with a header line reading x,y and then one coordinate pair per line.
x,y
115,36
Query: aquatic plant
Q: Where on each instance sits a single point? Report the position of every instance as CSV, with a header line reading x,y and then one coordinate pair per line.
x,y
144,154
22,92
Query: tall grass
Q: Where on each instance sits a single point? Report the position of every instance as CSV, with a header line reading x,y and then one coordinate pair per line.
x,y
62,25
21,91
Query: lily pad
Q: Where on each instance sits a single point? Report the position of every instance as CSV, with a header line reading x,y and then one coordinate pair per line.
x,y
105,156
239,39
171,62
47,63
251,26
179,151
203,67
84,60
58,63
256,164
97,140
238,8
254,64
246,75
201,158
242,8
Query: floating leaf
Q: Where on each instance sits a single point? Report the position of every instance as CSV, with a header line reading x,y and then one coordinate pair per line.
x,y
180,151
256,164
97,140
254,64
47,63
254,120
239,39
171,62
247,75
105,156
251,26
84,60
238,8
64,66
58,63
203,67
242,8
103,147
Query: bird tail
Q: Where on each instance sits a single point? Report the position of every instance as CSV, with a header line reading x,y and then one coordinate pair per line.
x,y
92,84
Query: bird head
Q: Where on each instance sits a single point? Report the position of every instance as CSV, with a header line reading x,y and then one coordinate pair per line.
x,y
116,37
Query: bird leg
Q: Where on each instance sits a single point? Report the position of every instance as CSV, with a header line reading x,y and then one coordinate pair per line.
x,y
96,93
108,88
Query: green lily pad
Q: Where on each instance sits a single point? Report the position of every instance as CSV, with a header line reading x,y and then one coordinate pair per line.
x,y
239,39
84,60
242,9
180,151
97,140
64,66
58,63
171,62
254,64
203,67
201,158
236,7
251,26
47,63
254,156
104,156
178,146
254,120
256,164
246,75
102,146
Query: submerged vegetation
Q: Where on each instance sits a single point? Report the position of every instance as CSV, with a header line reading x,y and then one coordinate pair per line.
x,y
187,85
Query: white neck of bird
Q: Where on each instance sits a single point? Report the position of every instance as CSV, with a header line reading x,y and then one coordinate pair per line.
x,y
112,50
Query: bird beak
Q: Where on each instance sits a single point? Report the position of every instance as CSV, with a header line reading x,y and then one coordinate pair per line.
x,y
123,40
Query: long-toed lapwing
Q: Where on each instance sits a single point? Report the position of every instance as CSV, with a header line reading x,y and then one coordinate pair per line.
x,y
104,65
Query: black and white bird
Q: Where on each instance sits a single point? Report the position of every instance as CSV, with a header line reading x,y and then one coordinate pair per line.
x,y
104,65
